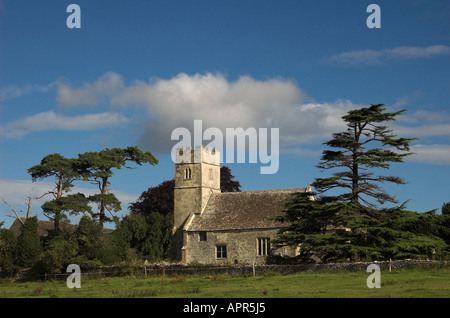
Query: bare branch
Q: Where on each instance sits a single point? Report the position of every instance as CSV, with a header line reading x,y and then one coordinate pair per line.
x,y
14,210
29,207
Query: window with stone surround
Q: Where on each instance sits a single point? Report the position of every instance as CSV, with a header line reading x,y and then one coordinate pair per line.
x,y
221,251
202,236
263,246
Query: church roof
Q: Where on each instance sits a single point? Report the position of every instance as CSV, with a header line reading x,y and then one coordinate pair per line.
x,y
43,227
241,210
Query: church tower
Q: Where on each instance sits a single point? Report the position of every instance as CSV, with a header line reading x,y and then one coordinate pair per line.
x,y
197,176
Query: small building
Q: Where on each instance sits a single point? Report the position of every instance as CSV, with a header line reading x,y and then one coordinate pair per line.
x,y
211,227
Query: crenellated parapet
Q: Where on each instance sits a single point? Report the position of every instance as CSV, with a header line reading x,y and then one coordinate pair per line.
x,y
198,155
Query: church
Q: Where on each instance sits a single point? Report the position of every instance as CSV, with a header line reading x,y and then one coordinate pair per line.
x,y
211,227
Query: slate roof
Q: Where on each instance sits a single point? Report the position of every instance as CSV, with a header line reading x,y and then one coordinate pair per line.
x,y
241,210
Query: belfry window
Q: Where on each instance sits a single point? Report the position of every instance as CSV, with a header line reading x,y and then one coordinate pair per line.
x,y
187,173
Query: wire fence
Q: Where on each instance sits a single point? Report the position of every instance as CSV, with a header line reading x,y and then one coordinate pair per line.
x,y
158,270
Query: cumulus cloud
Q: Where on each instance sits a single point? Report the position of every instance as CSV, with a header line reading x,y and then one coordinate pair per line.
x,y
218,102
50,120
167,104
398,53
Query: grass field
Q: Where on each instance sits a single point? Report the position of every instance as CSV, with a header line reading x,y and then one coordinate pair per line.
x,y
422,283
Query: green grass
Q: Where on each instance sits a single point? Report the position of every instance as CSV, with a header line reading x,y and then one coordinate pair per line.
x,y
420,283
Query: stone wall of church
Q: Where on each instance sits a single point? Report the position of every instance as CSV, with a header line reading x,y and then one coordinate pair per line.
x,y
241,247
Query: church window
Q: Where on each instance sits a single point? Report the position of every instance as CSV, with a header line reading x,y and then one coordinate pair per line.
x,y
202,236
221,251
263,246
210,174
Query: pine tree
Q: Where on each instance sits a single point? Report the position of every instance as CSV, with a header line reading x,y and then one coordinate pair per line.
x,y
97,168
446,208
65,171
358,157
349,225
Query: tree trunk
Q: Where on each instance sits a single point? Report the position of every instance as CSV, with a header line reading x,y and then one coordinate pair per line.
x,y
355,181
58,196
355,173
103,204
29,208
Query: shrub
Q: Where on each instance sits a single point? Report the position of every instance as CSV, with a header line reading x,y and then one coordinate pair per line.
x,y
86,264
56,256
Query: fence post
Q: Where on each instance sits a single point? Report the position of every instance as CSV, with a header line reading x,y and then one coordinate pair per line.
x,y
254,274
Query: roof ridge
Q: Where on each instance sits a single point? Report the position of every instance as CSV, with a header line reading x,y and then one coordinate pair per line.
x,y
267,190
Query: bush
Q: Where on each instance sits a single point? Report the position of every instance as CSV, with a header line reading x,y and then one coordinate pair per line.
x,y
86,264
8,243
56,256
28,243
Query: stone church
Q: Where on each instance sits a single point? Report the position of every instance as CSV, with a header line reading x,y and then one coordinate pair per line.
x,y
211,227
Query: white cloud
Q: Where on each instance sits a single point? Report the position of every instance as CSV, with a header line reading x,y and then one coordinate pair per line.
x,y
178,101
423,123
218,102
12,91
427,130
302,152
90,94
378,56
431,154
50,120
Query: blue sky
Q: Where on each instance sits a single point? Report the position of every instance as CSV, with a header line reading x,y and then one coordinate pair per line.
x,y
136,70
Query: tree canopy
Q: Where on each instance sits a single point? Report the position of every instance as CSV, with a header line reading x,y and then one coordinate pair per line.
x,y
97,167
367,144
65,171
